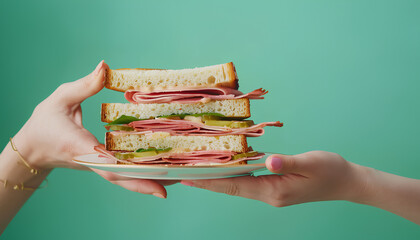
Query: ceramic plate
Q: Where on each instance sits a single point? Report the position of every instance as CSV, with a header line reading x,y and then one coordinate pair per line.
x,y
170,172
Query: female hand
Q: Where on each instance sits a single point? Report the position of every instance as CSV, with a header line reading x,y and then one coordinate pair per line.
x,y
321,176
307,177
54,134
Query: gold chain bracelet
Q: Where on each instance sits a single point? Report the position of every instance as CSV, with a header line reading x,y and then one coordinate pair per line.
x,y
22,187
33,170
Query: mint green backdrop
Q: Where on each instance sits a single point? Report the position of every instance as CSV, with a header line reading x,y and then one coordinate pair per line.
x,y
342,75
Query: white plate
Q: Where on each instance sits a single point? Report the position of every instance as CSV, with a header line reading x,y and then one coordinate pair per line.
x,y
170,172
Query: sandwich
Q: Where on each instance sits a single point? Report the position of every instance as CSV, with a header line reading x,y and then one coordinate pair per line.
x,y
180,117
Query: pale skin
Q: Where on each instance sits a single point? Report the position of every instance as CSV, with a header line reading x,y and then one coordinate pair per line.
x,y
323,176
52,136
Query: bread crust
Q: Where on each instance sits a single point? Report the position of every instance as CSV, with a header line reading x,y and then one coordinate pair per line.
x,y
244,143
248,108
109,143
232,81
104,110
232,76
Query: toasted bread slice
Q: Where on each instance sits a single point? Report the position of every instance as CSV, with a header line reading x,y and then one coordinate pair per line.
x,y
132,142
237,108
222,75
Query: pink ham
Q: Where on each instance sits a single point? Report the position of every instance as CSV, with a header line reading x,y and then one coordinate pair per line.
x,y
202,158
199,157
185,158
191,95
184,127
104,153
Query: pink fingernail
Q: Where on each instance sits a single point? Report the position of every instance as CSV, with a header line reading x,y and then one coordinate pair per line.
x,y
96,72
158,195
187,183
276,163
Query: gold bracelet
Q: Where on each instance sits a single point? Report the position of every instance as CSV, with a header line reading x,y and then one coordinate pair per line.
x,y
22,187
33,170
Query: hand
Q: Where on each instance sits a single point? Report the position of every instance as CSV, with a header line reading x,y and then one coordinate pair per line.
x,y
307,177
55,133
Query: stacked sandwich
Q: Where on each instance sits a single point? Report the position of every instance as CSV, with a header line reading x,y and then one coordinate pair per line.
x,y
180,117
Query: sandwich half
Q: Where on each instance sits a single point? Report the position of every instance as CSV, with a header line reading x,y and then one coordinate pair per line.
x,y
180,117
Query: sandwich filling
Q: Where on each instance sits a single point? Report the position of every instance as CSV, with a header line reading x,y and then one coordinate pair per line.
x,y
190,95
174,157
204,124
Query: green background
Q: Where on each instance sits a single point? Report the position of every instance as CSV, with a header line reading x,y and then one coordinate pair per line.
x,y
342,75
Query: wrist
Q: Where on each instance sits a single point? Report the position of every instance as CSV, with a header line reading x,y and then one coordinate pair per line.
x,y
364,183
29,151
14,171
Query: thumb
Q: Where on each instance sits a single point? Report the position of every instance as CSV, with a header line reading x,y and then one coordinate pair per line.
x,y
84,143
76,92
280,163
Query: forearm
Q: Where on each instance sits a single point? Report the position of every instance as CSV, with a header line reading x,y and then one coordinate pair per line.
x,y
393,193
14,173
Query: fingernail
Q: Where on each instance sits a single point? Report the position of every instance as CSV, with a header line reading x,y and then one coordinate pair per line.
x,y
276,163
158,195
96,72
187,183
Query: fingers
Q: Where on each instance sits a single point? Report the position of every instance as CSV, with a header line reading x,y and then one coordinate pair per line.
x,y
276,190
76,92
258,188
144,186
167,182
279,163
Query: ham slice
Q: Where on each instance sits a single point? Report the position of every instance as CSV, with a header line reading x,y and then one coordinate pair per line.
x,y
184,127
104,153
190,95
183,158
